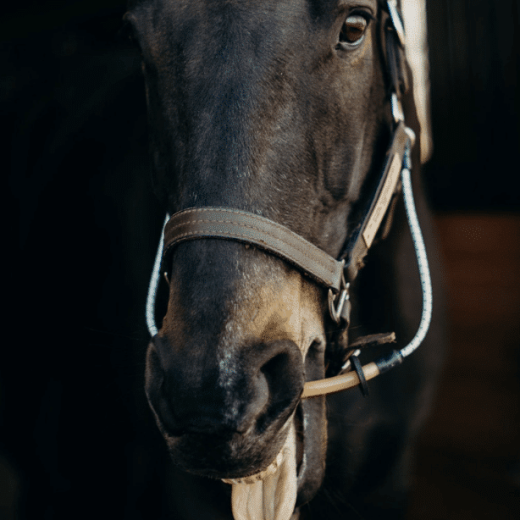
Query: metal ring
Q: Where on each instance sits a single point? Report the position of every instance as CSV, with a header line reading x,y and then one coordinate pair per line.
x,y
397,108
411,135
335,311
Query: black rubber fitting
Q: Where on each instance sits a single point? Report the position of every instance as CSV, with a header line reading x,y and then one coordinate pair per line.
x,y
390,361
359,371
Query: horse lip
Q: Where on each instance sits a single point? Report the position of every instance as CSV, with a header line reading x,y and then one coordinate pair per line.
x,y
250,479
177,449
300,454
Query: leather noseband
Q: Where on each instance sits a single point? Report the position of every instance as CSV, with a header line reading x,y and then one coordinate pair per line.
x,y
253,229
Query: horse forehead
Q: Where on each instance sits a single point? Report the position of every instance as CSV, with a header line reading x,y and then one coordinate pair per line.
x,y
237,32
216,17
245,11
198,37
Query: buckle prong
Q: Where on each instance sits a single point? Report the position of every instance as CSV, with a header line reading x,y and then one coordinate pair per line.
x,y
397,108
337,301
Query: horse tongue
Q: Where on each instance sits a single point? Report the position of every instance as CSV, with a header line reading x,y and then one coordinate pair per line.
x,y
274,496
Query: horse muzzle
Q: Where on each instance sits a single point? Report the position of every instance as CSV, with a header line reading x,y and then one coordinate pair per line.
x,y
225,421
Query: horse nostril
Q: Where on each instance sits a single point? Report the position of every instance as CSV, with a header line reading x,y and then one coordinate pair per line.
x,y
284,378
257,388
166,414
255,406
157,393
274,373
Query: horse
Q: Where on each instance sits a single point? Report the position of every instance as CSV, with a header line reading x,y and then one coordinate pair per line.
x,y
275,118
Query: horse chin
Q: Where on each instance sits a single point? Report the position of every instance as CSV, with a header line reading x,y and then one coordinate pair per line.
x,y
243,457
227,457
306,444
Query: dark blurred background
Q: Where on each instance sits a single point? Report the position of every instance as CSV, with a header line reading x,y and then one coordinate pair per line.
x,y
76,437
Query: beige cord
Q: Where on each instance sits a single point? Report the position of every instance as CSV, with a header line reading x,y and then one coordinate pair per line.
x,y
338,383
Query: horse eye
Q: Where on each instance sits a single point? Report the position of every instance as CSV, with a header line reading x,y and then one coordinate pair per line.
x,y
353,29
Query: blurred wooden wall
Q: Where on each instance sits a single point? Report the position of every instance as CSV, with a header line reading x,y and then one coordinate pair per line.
x,y
468,465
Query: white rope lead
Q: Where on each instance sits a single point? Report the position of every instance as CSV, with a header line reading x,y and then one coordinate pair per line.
x,y
154,284
422,262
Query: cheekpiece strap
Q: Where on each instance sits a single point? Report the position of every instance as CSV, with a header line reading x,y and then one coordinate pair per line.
x,y
395,50
361,241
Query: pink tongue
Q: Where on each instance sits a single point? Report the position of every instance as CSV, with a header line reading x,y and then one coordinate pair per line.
x,y
273,496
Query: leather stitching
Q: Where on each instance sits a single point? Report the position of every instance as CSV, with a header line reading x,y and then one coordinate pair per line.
x,y
310,256
269,247
304,253
283,229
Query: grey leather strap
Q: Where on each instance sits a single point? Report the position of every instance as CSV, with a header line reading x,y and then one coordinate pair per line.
x,y
230,224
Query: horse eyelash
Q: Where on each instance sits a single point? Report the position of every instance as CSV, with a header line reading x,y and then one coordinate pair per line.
x,y
369,17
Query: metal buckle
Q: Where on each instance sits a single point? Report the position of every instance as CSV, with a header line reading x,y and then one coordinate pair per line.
x,y
411,135
397,109
337,303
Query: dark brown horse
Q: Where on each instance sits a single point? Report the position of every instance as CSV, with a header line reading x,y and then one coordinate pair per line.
x,y
279,108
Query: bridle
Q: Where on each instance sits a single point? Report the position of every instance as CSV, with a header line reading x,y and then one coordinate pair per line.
x,y
331,273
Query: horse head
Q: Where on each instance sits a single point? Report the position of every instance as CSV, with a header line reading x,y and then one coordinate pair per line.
x,y
278,108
